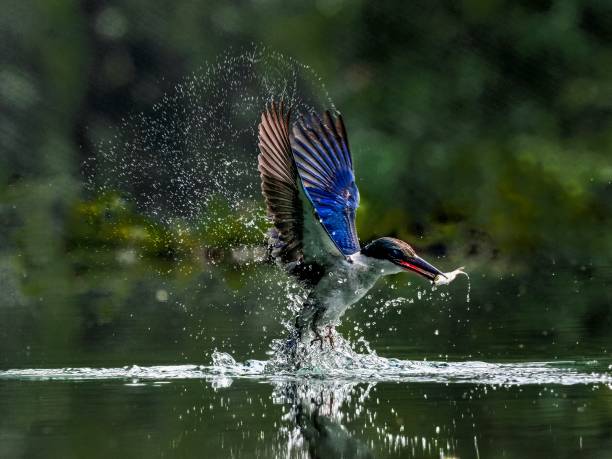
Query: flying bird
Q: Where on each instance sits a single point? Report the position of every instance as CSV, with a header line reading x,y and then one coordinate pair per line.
x,y
308,183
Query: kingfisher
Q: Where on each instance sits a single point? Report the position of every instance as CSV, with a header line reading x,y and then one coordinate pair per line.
x,y
308,183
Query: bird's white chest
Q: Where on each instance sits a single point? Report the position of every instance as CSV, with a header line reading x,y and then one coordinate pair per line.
x,y
344,285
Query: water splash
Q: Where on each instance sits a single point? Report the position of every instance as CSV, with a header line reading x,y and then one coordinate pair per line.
x,y
197,144
343,364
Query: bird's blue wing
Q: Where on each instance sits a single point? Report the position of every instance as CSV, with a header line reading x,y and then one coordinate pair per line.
x,y
323,159
298,242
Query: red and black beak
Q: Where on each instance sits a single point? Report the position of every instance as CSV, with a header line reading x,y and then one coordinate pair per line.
x,y
420,266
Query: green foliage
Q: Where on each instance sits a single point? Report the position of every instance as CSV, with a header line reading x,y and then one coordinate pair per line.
x,y
109,222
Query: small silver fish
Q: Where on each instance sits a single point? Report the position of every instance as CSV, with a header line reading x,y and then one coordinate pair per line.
x,y
450,276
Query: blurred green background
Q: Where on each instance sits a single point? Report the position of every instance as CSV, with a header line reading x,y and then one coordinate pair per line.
x,y
481,132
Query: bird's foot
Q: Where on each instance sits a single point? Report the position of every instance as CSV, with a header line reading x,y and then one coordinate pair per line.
x,y
320,338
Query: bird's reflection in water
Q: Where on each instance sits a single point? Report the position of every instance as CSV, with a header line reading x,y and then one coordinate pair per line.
x,y
308,418
317,416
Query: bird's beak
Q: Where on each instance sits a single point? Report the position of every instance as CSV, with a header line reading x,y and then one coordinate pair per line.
x,y
420,266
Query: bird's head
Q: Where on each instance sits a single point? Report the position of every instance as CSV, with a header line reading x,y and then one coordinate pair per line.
x,y
401,255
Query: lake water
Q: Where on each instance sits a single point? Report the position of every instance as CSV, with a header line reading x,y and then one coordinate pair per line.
x,y
138,362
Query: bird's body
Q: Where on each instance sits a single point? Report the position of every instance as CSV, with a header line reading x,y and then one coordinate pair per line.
x,y
311,196
346,282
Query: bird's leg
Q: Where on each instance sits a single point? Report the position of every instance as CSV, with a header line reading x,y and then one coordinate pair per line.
x,y
330,335
315,329
318,337
304,320
299,328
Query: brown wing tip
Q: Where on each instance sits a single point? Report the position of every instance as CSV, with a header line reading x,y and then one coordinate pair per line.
x,y
276,114
277,109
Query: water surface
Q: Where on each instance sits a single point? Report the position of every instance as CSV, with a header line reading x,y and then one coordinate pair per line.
x,y
180,365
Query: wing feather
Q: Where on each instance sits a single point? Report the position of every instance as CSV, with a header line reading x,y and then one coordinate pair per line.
x,y
298,241
325,166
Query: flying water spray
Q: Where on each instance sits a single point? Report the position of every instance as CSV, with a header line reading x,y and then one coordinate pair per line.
x,y
196,147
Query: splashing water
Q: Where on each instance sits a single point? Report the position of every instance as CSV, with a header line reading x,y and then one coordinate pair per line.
x,y
343,363
198,143
357,368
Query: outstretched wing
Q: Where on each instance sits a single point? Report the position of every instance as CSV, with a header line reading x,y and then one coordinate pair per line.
x,y
297,240
321,152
